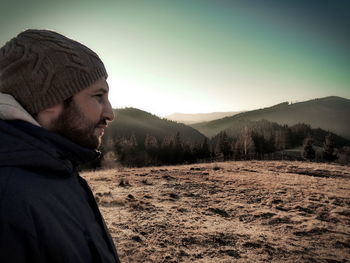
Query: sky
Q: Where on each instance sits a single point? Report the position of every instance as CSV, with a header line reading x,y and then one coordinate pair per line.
x,y
198,56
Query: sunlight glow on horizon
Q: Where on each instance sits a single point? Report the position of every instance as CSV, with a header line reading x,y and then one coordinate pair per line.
x,y
189,57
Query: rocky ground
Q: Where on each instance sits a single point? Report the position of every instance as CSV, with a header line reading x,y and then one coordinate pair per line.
x,y
254,211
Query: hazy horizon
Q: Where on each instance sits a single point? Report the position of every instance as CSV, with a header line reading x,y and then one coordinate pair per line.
x,y
203,56
236,111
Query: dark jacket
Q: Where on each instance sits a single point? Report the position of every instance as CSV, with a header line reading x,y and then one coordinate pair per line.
x,y
47,211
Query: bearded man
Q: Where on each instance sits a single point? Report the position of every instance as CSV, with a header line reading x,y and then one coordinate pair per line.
x,y
54,108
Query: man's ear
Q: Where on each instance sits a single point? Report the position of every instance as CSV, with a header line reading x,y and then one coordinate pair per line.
x,y
47,116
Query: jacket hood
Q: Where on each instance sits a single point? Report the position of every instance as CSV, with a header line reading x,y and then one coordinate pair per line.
x,y
10,109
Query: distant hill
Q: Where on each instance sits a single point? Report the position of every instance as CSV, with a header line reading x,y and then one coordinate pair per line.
x,y
187,118
273,133
329,113
130,121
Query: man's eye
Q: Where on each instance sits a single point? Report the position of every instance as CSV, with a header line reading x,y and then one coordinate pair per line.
x,y
98,95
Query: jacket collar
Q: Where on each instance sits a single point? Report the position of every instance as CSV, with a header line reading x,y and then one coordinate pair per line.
x,y
23,144
27,135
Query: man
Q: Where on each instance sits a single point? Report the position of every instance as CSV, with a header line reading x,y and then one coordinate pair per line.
x,y
53,109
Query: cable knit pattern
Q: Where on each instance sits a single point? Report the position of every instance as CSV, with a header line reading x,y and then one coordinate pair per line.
x,y
41,68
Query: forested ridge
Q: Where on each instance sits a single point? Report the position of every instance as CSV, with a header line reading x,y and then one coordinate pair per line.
x,y
138,138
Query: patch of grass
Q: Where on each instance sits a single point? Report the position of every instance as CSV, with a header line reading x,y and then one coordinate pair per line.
x,y
219,211
216,167
146,182
124,182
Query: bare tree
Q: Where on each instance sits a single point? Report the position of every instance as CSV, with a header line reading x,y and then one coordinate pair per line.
x,y
328,149
308,149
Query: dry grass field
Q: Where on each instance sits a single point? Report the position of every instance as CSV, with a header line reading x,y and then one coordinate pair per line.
x,y
256,211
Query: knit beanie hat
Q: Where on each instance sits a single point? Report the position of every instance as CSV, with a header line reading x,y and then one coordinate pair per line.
x,y
42,68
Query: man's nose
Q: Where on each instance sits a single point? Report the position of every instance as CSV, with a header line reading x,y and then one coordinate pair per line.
x,y
108,112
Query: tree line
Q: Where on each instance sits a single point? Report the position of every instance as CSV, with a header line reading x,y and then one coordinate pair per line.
x,y
253,140
171,150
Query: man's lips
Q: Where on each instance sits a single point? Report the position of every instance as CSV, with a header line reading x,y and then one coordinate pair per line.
x,y
102,124
100,129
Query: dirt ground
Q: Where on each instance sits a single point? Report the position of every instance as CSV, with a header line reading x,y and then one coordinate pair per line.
x,y
256,211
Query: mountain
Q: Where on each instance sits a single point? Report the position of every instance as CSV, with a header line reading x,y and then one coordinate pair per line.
x,y
187,118
129,121
329,113
275,135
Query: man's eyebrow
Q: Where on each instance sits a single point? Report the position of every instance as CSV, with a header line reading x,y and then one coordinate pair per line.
x,y
104,90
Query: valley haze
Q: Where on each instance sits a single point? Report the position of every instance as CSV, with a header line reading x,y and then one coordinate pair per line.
x,y
191,118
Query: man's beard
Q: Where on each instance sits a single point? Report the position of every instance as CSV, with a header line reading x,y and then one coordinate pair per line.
x,y
73,124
